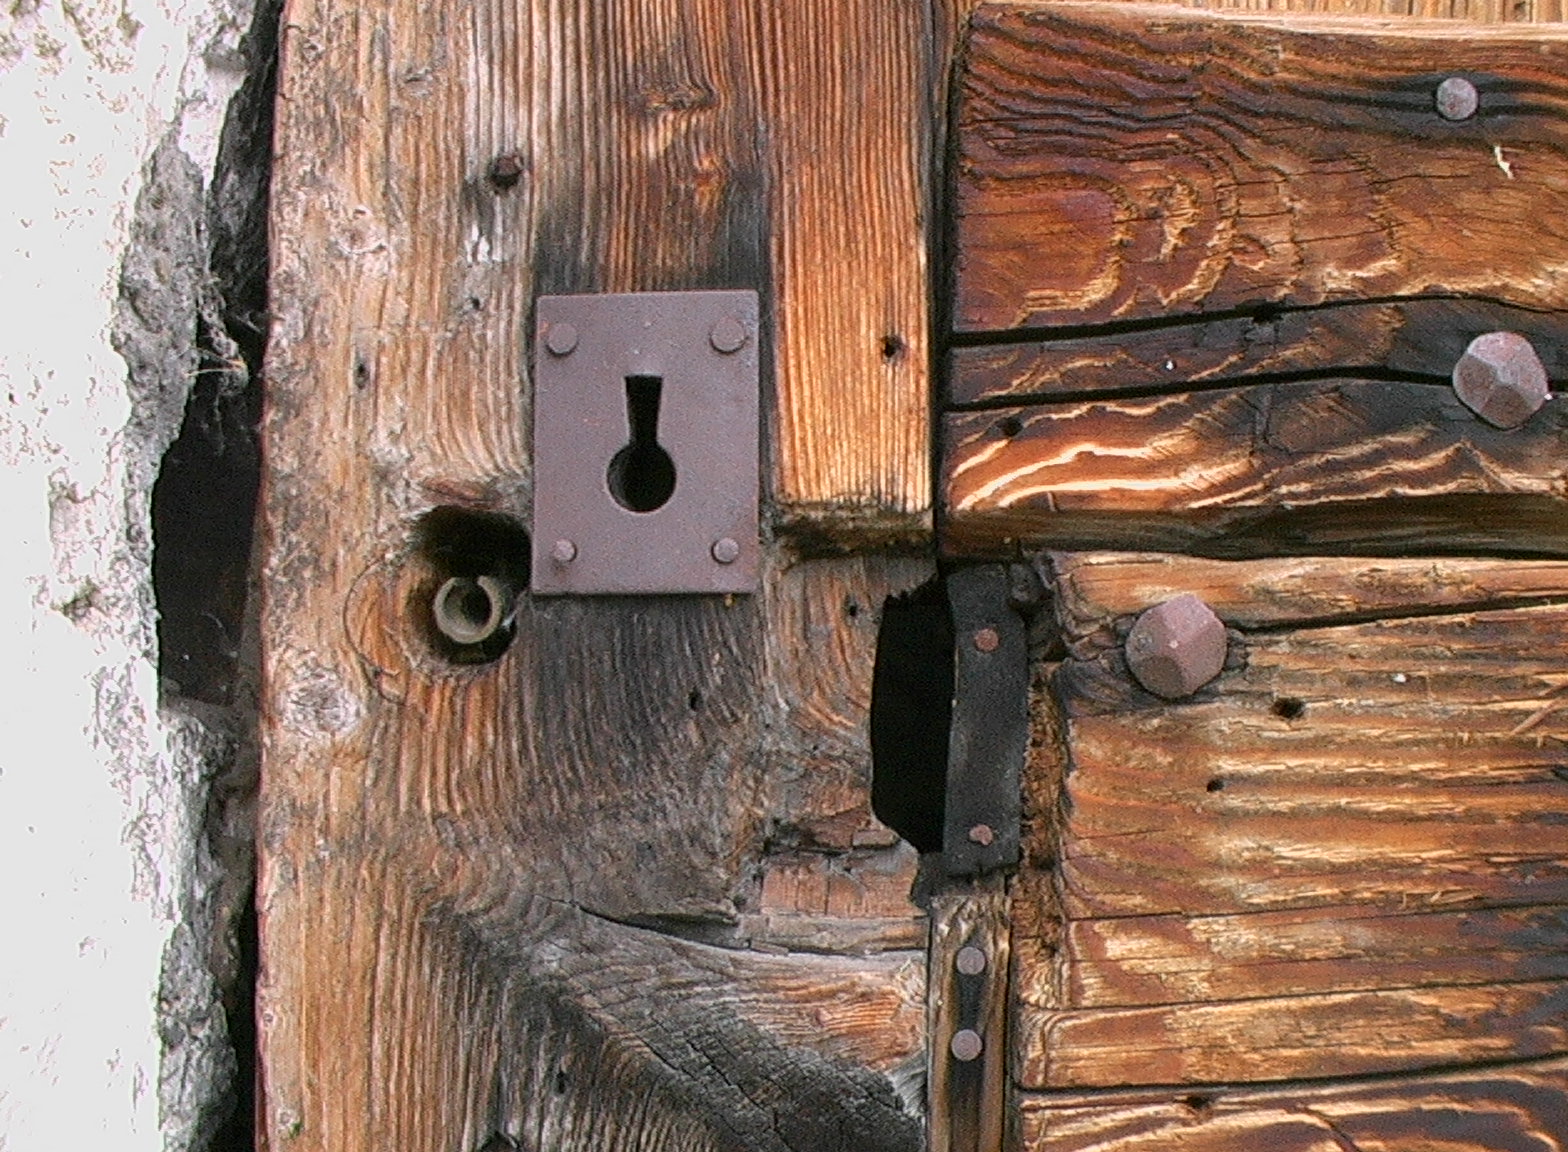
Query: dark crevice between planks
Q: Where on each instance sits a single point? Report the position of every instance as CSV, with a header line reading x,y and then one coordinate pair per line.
x,y
1387,615
1212,1093
1492,525
1263,312
1190,387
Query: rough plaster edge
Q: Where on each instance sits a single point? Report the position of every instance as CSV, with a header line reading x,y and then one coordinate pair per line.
x,y
195,844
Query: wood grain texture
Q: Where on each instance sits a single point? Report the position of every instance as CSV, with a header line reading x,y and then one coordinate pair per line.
x,y
610,888
1420,338
1508,1109
1117,162
1330,466
620,889
1341,858
1093,589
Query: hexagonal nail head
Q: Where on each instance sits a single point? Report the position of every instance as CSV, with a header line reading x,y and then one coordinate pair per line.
x,y
1501,379
1176,647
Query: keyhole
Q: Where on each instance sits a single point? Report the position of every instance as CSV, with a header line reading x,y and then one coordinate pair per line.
x,y
642,475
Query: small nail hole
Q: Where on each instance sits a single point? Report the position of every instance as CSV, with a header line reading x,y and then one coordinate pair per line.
x,y
560,1082
852,608
1289,708
892,346
694,700
1009,426
1215,785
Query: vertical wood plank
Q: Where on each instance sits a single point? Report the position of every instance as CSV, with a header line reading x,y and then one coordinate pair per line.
x,y
967,1064
844,93
548,899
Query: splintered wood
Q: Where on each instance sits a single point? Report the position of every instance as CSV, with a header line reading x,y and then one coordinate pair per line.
x,y
1342,858
1213,272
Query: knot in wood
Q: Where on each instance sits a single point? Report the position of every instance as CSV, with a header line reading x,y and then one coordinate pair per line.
x,y
1501,379
1176,647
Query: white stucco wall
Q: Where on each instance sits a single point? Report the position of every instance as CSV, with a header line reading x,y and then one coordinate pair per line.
x,y
97,832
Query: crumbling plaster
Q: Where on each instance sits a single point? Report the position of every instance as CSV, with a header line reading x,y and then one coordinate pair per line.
x,y
110,119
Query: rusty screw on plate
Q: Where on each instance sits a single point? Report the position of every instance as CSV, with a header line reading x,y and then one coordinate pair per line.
x,y
970,961
506,170
725,550
1176,647
728,335
561,339
1457,99
1501,379
987,640
982,834
563,551
966,1045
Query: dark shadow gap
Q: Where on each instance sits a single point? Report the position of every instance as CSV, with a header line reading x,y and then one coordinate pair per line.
x,y
911,714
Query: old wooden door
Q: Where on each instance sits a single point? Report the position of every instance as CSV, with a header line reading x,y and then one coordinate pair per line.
x,y
601,872
1212,278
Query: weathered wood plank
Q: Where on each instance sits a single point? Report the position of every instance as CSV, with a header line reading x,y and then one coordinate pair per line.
x,y
453,854
1415,338
1409,763
1287,1038
1341,858
1108,170
845,129
609,769
1330,466
1495,1110
1094,588
1141,961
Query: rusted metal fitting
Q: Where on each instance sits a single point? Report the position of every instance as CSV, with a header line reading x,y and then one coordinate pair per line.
x,y
1176,647
1457,99
982,834
966,1045
970,961
561,339
1501,379
728,335
986,640
472,609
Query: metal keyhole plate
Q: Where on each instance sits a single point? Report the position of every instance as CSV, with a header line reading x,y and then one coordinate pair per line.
x,y
596,362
